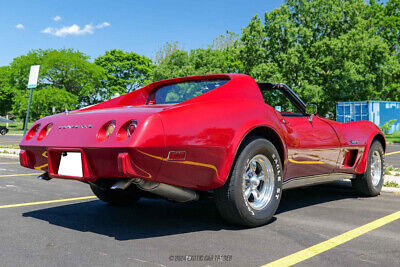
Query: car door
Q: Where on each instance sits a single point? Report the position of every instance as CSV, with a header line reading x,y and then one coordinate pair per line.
x,y
313,146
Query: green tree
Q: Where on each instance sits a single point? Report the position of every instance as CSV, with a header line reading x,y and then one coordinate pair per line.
x,y
220,57
43,101
65,69
6,92
327,50
125,72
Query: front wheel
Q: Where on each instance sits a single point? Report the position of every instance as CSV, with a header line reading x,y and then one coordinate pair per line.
x,y
251,195
370,183
3,131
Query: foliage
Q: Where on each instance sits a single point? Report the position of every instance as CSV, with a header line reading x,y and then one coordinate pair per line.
x,y
125,72
6,92
221,57
326,50
43,100
385,128
63,69
165,51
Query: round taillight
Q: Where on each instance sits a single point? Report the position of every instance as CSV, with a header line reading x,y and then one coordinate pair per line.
x,y
106,131
130,129
48,128
45,131
32,131
110,128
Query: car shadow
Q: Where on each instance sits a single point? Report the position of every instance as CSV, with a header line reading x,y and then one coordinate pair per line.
x,y
154,218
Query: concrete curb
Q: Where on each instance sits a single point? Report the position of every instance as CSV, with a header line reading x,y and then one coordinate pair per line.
x,y
9,156
395,190
11,153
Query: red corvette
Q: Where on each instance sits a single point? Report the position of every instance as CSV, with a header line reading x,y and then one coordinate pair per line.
x,y
182,138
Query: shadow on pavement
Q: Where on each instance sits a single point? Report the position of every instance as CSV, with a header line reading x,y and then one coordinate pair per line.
x,y
309,196
155,218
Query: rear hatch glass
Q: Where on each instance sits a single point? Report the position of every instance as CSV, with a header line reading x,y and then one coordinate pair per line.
x,y
183,91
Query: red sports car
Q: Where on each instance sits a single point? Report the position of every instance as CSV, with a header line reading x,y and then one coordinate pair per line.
x,y
226,135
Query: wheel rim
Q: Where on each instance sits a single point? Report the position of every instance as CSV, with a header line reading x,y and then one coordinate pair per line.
x,y
258,182
376,168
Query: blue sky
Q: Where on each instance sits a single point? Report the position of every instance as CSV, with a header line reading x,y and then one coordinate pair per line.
x,y
140,26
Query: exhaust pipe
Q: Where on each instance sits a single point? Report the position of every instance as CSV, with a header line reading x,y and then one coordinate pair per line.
x,y
171,192
45,176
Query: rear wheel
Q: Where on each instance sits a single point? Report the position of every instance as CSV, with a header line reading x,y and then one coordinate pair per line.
x,y
252,192
3,131
117,197
370,183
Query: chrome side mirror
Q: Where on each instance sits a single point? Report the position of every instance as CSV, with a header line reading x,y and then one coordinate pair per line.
x,y
311,109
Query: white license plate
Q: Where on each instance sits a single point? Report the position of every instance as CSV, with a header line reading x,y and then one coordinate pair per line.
x,y
71,164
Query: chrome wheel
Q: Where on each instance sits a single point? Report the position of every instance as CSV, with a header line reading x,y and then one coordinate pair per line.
x,y
376,168
258,182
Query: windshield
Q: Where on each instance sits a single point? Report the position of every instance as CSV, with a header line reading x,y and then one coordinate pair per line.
x,y
180,92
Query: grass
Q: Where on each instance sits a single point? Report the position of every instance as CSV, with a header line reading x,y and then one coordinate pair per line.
x,y
391,184
17,127
393,138
8,146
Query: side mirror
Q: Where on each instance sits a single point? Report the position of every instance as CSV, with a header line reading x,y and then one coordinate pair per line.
x,y
311,109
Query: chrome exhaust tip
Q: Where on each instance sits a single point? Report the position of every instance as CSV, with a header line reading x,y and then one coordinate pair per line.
x,y
45,176
175,193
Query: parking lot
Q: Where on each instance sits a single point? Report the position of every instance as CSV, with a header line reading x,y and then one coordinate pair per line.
x,y
60,223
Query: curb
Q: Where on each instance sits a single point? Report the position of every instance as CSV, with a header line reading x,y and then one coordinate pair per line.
x,y
391,189
10,156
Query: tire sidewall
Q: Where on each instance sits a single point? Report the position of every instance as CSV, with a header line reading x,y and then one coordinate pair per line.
x,y
376,146
255,147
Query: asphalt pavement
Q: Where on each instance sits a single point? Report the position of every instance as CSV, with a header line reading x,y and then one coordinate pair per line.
x,y
50,224
10,139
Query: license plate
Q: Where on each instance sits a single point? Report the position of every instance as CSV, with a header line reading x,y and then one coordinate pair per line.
x,y
71,164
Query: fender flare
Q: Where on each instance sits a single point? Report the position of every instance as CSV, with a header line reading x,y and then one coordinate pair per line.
x,y
282,149
362,166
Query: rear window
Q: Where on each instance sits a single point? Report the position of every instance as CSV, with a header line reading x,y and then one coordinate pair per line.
x,y
180,92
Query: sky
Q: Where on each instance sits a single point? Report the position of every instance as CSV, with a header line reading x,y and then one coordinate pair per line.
x,y
95,26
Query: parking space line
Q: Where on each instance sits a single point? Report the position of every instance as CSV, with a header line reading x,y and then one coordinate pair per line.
x,y
46,202
333,242
3,163
20,174
392,153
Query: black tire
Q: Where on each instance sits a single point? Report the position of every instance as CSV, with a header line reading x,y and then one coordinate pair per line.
x,y
363,183
231,201
116,197
3,131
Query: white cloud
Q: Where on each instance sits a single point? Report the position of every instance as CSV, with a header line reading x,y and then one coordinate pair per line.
x,y
74,29
20,27
57,18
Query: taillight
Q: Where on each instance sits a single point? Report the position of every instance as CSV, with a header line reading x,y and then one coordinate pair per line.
x,y
32,132
130,129
127,130
110,128
45,131
106,131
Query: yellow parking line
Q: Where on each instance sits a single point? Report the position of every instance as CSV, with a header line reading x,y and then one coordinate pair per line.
x,y
333,242
392,153
2,163
21,174
46,202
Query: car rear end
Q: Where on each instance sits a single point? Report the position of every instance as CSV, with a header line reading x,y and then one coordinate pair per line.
x,y
88,145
